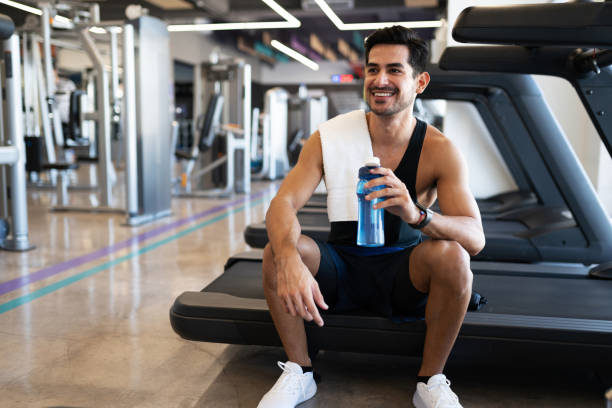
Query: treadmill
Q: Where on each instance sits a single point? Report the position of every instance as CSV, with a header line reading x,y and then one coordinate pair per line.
x,y
519,121
534,310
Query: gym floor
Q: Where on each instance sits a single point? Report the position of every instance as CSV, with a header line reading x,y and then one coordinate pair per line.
x,y
84,323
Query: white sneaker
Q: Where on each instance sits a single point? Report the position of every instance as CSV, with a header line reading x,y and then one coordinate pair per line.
x,y
435,394
292,388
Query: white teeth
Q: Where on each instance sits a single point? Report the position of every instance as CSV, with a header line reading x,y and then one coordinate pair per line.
x,y
382,94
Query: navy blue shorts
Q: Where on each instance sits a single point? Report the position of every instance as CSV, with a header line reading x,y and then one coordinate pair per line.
x,y
376,283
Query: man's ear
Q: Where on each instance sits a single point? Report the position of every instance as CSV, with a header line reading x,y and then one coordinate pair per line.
x,y
422,81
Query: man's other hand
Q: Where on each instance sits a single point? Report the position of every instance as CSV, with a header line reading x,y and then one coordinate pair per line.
x,y
299,290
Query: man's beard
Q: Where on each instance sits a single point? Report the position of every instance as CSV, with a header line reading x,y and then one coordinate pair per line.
x,y
397,106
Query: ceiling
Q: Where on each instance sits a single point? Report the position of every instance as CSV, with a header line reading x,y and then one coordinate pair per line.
x,y
311,16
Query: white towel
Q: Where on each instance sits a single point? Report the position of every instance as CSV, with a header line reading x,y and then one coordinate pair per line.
x,y
346,145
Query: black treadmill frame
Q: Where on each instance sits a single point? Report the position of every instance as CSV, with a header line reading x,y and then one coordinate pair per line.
x,y
587,341
223,318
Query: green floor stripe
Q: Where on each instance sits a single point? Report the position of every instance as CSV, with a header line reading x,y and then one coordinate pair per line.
x,y
12,304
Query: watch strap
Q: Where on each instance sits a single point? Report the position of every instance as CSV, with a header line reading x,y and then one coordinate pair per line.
x,y
424,211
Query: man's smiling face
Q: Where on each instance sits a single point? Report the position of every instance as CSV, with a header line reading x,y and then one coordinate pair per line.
x,y
390,85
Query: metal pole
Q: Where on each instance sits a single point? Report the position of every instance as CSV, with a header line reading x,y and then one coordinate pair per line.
x,y
103,118
94,13
246,125
13,128
27,87
50,77
34,84
198,89
4,211
129,99
42,103
114,65
114,76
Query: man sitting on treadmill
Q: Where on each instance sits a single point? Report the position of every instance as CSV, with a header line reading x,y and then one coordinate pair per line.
x,y
406,277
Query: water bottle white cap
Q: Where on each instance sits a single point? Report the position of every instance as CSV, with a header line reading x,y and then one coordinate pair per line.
x,y
372,162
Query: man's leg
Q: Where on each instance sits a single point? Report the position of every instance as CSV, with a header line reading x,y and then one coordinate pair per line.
x,y
290,329
442,269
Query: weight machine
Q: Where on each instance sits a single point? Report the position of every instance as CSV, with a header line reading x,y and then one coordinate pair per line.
x,y
307,110
218,163
12,148
146,115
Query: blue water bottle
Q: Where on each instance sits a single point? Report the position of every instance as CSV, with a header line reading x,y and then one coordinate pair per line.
x,y
370,225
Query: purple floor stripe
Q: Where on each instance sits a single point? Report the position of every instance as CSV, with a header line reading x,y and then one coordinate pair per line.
x,y
44,273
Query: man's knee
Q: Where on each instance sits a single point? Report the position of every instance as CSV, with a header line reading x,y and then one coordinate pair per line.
x,y
309,252
451,266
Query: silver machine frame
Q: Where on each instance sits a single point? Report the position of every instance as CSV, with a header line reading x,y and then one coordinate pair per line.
x,y
311,113
288,113
147,119
148,169
12,150
232,80
146,114
272,150
41,110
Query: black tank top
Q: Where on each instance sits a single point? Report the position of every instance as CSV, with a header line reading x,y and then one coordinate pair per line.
x,y
397,232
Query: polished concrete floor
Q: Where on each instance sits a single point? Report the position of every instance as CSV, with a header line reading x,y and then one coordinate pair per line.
x,y
84,323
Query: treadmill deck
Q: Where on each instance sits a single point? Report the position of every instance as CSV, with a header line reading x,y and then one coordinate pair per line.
x,y
525,314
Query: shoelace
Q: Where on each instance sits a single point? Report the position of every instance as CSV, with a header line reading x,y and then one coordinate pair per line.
x,y
446,395
289,381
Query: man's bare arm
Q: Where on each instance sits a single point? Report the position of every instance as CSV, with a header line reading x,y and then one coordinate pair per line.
x,y
281,219
461,220
295,283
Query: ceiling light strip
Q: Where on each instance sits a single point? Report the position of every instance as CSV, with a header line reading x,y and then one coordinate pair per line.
x,y
407,24
330,14
23,7
229,26
295,55
290,22
97,30
282,12
34,10
372,26
62,19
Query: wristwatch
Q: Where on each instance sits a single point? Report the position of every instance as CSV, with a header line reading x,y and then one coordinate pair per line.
x,y
426,215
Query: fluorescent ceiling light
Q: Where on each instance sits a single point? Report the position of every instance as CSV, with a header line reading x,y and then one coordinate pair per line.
x,y
372,26
23,7
282,12
295,55
108,29
97,30
62,19
290,22
34,10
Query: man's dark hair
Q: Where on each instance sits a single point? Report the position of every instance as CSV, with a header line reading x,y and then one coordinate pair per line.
x,y
418,49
